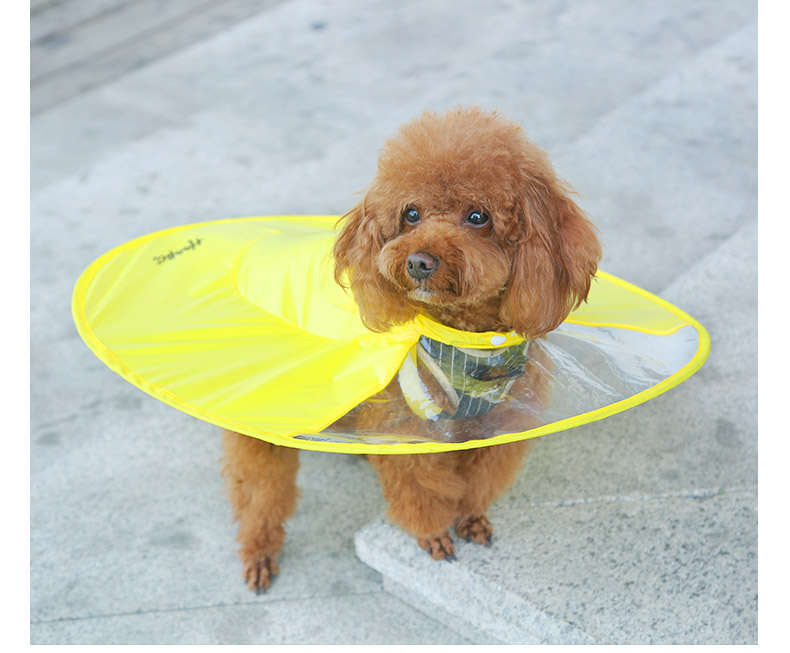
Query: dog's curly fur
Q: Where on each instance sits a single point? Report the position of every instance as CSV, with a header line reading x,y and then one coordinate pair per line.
x,y
467,222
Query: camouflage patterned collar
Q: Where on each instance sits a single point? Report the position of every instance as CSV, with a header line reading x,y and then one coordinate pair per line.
x,y
473,380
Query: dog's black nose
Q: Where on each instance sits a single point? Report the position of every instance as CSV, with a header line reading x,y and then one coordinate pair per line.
x,y
421,265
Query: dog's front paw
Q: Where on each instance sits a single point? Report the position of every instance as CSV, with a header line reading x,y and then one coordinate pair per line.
x,y
439,547
474,528
259,571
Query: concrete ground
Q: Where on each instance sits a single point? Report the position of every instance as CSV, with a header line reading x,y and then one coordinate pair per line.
x,y
641,528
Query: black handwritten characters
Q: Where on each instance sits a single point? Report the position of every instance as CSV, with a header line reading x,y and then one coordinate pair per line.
x,y
193,244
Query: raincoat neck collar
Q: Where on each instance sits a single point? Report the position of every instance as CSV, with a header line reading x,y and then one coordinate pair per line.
x,y
434,330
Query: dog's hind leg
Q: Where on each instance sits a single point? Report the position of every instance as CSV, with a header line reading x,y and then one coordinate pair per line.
x,y
261,479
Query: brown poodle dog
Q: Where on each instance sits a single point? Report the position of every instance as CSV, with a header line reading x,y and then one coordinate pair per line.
x,y
466,222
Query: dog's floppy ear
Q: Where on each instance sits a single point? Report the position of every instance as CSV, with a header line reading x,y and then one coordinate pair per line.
x,y
555,260
356,251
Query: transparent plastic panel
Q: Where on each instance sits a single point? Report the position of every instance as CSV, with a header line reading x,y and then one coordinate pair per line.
x,y
573,371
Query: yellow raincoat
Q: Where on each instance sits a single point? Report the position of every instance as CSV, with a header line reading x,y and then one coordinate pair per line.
x,y
240,323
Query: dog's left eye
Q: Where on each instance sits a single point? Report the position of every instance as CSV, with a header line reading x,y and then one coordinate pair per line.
x,y
477,218
412,216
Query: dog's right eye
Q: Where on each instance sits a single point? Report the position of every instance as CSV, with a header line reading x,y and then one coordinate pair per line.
x,y
412,216
477,218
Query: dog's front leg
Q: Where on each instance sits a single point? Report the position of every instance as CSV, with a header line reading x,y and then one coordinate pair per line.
x,y
488,471
261,480
423,491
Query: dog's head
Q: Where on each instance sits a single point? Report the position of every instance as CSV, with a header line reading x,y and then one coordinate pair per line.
x,y
466,221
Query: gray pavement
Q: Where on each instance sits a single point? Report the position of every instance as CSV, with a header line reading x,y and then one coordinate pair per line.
x,y
637,529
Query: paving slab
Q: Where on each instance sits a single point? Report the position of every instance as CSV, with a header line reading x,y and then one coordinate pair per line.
x,y
77,45
539,63
652,570
133,542
324,620
685,175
